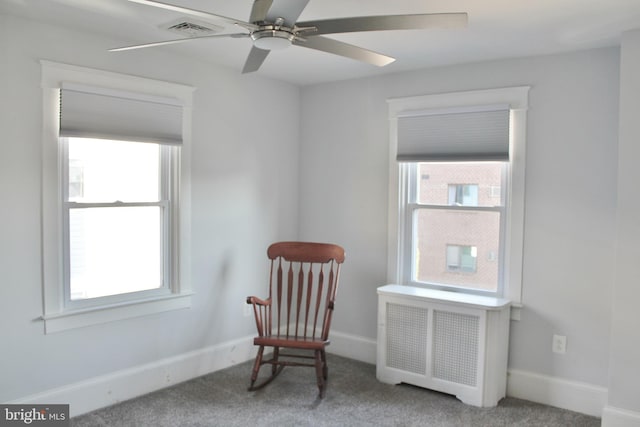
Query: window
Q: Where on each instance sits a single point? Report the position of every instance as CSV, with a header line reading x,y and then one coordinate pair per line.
x,y
115,204
115,225
457,191
454,232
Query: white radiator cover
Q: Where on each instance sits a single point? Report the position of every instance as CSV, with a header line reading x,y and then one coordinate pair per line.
x,y
445,341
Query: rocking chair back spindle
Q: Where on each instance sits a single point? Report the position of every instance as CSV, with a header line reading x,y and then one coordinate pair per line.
x,y
297,313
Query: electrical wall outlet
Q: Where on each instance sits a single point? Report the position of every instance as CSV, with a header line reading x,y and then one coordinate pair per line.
x,y
559,344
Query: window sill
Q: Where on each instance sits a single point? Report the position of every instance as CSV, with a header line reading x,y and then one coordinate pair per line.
x,y
455,298
64,320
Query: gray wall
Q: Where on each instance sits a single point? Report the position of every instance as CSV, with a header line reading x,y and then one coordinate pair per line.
x,y
570,196
244,196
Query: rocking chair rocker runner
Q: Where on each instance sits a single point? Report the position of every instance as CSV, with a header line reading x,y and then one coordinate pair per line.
x,y
297,314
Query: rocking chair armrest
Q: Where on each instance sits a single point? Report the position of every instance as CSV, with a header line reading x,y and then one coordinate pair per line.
x,y
262,312
258,301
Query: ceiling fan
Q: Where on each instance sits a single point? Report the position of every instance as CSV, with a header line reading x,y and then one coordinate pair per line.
x,y
272,25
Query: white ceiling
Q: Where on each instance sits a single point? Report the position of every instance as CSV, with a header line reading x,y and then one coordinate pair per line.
x,y
497,29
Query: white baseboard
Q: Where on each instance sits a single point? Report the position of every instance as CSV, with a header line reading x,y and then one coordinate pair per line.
x,y
572,395
353,346
617,417
99,392
106,390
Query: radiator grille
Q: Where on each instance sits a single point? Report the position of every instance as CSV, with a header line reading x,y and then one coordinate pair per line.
x,y
407,338
455,347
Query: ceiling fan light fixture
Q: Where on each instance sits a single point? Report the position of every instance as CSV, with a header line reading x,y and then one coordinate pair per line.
x,y
271,39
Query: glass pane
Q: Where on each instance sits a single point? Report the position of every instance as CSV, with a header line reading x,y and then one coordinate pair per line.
x,y
458,248
114,251
106,171
460,184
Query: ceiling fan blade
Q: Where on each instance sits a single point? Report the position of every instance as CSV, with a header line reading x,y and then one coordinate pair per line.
x,y
255,59
259,10
289,10
328,45
193,12
388,22
167,42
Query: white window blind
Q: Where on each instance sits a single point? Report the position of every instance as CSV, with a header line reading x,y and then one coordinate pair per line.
x,y
94,112
456,134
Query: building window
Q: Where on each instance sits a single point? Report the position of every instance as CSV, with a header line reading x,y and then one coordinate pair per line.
x,y
457,191
462,258
115,204
463,194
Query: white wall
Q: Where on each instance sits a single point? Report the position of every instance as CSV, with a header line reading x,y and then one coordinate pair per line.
x,y
244,196
623,407
570,197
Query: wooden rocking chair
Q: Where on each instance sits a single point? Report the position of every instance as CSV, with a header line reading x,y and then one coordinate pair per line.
x,y
297,314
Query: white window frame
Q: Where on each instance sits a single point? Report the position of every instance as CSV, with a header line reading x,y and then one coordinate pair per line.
x,y
59,314
517,99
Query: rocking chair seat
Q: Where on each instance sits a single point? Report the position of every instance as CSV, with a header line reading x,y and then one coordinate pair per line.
x,y
291,342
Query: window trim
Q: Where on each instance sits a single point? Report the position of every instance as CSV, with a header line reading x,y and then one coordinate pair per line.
x,y
56,315
517,99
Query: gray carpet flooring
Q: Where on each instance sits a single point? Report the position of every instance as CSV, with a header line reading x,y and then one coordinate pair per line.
x,y
354,398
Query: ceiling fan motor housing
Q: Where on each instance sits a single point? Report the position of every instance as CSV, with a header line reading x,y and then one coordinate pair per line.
x,y
270,37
